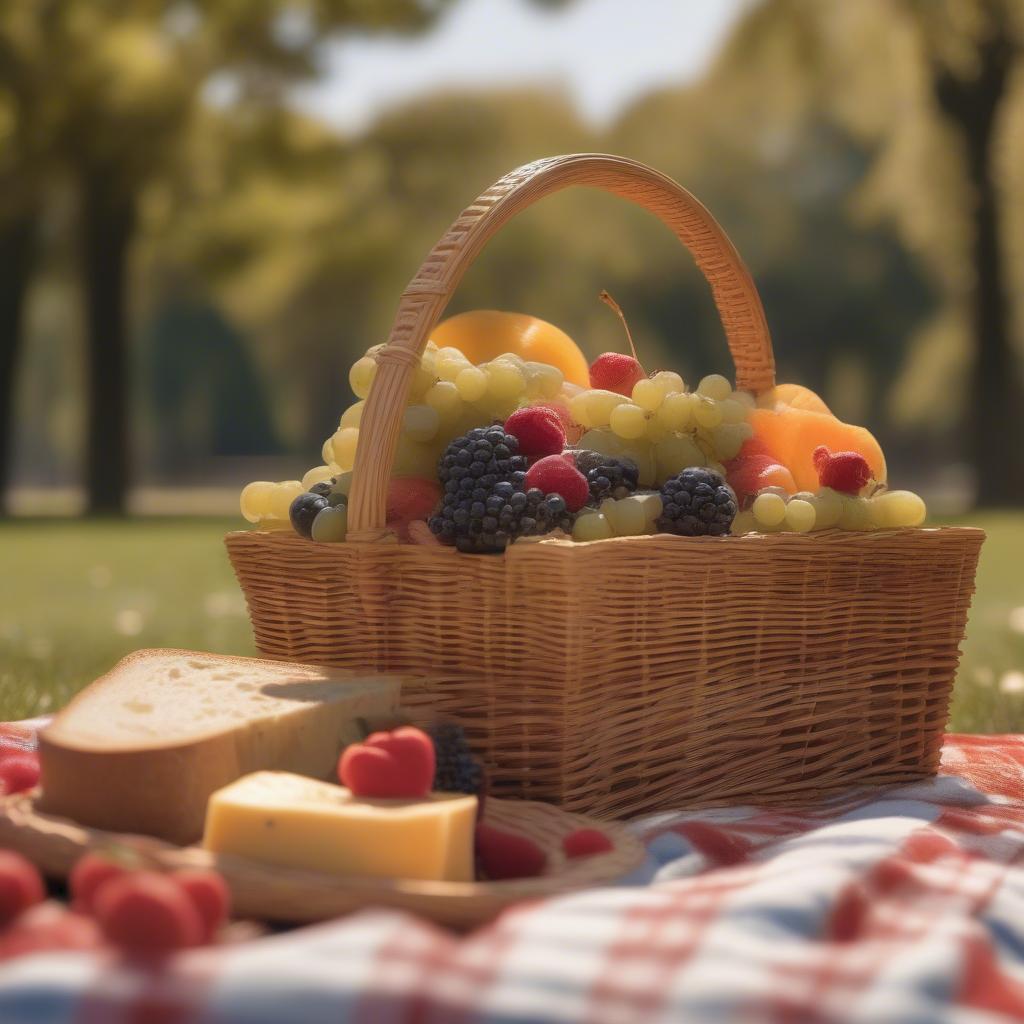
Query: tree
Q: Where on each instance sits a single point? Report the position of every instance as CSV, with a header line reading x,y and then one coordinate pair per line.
x,y
125,83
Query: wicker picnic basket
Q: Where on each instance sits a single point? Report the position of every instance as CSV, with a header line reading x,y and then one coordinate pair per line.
x,y
639,673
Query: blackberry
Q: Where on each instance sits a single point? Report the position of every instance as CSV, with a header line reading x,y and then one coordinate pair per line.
x,y
457,770
485,504
607,476
695,503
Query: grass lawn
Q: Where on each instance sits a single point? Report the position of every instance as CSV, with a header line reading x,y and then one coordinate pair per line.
x,y
79,595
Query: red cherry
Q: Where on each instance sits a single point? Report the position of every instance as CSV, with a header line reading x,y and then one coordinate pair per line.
x,y
397,764
585,842
21,885
505,855
19,771
91,872
209,894
615,371
146,913
47,928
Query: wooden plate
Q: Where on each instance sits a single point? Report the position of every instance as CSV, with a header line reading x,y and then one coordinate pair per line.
x,y
287,895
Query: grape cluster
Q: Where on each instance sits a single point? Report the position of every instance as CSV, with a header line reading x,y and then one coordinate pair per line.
x,y
608,477
457,771
486,503
697,503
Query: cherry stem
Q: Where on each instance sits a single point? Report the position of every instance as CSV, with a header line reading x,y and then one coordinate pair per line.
x,y
606,298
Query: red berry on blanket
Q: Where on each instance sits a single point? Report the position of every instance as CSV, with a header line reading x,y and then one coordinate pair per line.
x,y
848,472
615,371
555,475
21,885
538,430
19,772
91,872
147,913
209,894
505,855
47,928
585,842
397,764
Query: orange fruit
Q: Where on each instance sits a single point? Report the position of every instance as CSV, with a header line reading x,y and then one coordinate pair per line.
x,y
794,396
792,434
483,334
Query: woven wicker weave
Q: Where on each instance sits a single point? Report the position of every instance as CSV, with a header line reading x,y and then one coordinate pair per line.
x,y
638,673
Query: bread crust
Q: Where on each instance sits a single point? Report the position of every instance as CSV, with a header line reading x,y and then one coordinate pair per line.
x,y
162,788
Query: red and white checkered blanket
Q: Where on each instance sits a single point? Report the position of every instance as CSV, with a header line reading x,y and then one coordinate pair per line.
x,y
897,905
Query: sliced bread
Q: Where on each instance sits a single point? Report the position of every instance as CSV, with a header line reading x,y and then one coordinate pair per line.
x,y
143,747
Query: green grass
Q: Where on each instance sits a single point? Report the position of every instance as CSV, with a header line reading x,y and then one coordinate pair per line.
x,y
77,596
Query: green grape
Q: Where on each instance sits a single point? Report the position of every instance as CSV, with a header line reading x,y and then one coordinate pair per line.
x,y
626,517
428,362
892,509
670,382
317,475
414,458
444,398
733,411
360,377
450,362
769,509
717,467
542,380
676,412
254,500
828,508
676,453
579,409
655,430
431,346
628,421
856,514
505,380
706,412
331,524
600,405
422,381
420,422
745,398
592,526
327,451
743,523
648,394
344,446
639,451
651,505
727,439
800,515
281,498
472,384
342,485
352,415
511,357
715,386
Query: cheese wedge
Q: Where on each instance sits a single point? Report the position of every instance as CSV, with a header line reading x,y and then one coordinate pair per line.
x,y
142,749
290,821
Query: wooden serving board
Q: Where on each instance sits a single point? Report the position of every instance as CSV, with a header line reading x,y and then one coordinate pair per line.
x,y
286,895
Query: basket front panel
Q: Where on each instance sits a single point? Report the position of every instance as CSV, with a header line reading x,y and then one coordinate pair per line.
x,y
651,672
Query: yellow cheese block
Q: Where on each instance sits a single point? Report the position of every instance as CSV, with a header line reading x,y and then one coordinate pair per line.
x,y
298,822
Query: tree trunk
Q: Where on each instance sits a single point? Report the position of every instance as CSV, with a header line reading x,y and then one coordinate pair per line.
x,y
996,395
16,243
107,226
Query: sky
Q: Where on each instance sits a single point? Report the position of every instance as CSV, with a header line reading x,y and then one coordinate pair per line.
x,y
603,53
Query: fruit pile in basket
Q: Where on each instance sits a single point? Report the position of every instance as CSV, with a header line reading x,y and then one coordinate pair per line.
x,y
507,435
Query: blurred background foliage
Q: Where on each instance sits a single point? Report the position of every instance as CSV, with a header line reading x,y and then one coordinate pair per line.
x,y
184,280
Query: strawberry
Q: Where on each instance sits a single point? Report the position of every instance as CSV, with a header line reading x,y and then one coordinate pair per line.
x,y
209,895
847,472
538,430
145,912
555,475
91,872
21,885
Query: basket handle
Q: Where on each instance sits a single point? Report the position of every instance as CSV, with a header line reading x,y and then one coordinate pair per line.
x,y
427,295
